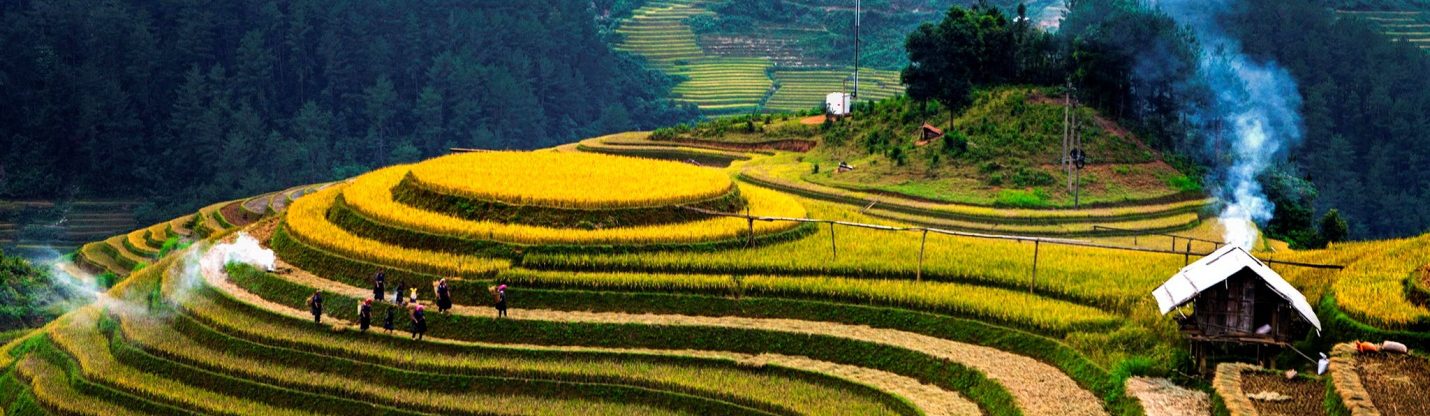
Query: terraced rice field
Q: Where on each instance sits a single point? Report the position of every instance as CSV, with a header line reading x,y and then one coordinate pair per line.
x,y
801,90
680,316
723,85
63,227
734,75
717,85
658,32
1410,26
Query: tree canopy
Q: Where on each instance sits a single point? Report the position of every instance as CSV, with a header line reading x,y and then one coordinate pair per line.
x,y
190,101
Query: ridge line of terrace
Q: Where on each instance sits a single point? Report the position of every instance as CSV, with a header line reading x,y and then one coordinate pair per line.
x,y
1062,241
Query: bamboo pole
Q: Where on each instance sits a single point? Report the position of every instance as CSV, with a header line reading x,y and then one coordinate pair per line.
x,y
1034,283
923,242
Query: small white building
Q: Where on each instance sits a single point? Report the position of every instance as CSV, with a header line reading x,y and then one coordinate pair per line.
x,y
836,104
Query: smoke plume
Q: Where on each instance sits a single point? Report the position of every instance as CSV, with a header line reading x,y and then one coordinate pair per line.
x,y
245,249
1251,119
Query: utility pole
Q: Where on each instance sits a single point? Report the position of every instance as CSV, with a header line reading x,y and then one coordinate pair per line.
x,y
857,10
1066,161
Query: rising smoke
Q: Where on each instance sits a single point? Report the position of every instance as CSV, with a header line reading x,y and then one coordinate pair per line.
x,y
1251,120
205,260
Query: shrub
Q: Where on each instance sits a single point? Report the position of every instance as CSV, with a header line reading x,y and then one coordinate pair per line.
x,y
1026,176
1017,198
1184,183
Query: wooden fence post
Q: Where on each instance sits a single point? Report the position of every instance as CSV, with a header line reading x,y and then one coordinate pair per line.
x,y
833,248
920,276
752,232
1187,258
1034,283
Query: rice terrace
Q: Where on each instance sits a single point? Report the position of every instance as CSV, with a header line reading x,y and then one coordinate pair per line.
x,y
714,207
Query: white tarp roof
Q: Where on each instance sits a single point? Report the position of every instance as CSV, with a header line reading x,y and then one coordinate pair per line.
x,y
1217,267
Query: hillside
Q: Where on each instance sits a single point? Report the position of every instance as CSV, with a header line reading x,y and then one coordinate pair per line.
x,y
1004,150
670,314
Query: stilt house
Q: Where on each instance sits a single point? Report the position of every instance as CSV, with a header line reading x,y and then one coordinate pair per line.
x,y
1237,301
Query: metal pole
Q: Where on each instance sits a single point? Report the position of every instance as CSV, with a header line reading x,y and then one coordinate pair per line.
x,y
833,247
922,243
1034,283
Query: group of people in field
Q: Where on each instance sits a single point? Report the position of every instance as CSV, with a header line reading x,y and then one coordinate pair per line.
x,y
416,314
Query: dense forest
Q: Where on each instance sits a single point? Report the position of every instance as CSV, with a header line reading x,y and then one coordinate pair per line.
x,y
1365,107
184,102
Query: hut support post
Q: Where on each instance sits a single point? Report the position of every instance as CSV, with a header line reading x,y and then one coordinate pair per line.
x,y
922,242
1034,283
833,248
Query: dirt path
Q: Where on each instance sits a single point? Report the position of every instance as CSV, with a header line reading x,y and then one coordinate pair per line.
x,y
1160,397
1038,388
931,399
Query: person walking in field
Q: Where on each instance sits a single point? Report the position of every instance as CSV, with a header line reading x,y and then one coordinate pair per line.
x,y
444,296
365,314
419,322
379,285
412,296
387,322
501,301
397,298
315,305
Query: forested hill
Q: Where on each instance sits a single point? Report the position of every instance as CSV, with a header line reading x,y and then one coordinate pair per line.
x,y
190,101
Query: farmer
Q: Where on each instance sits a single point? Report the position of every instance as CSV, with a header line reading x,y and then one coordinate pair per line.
x,y
501,301
387,322
444,296
412,296
365,314
419,322
315,305
397,295
379,285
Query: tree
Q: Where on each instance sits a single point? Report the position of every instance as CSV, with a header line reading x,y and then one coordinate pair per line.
x,y
1333,228
381,101
969,47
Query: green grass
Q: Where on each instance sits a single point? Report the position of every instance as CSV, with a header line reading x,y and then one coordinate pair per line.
x,y
801,90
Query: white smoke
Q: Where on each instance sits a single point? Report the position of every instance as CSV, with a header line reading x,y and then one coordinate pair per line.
x,y
1252,119
244,249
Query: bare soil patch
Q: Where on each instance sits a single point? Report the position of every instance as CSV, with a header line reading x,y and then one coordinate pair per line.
x,y
812,120
1305,396
1399,384
235,215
